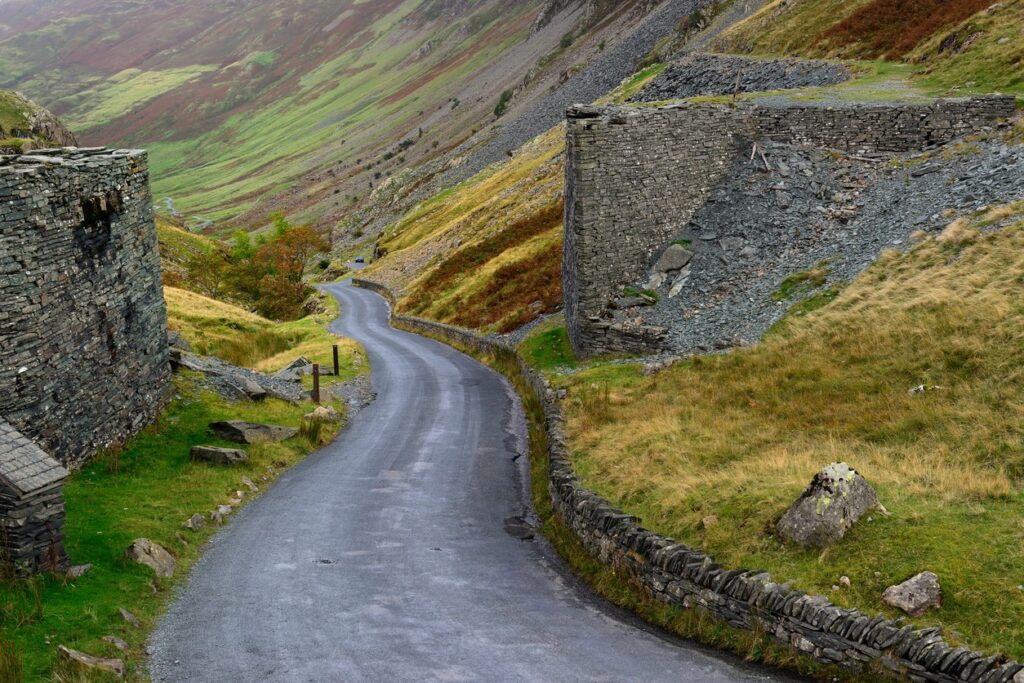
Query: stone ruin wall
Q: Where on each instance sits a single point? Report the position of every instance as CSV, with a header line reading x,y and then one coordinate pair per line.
x,y
634,176
84,361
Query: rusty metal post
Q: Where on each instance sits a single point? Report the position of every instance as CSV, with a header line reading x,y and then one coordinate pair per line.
x,y
316,383
337,362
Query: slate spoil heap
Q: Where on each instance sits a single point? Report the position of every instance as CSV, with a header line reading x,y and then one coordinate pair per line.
x,y
31,507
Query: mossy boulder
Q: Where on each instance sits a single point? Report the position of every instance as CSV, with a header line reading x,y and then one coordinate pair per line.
x,y
836,500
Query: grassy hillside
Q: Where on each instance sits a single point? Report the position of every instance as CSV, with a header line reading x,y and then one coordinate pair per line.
x,y
959,45
220,329
485,254
739,436
248,109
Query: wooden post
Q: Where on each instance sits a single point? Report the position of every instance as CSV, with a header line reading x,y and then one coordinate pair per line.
x,y
337,362
316,383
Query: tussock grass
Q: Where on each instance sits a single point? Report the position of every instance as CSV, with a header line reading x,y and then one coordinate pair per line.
x,y
739,436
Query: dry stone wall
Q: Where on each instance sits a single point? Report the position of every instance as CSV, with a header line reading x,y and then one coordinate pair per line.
x,y
84,361
748,600
636,176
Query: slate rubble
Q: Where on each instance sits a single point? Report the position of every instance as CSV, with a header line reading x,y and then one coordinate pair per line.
x,y
712,74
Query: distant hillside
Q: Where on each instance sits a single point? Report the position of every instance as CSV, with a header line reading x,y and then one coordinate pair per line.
x,y
321,111
959,45
25,125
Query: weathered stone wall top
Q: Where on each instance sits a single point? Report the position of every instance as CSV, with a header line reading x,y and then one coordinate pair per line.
x,y
83,349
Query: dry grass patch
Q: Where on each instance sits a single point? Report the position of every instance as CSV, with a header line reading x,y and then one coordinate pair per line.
x,y
739,436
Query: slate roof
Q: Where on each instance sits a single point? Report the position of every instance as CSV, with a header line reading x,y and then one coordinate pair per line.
x,y
23,465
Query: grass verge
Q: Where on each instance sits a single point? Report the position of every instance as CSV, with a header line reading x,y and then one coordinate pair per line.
x,y
148,489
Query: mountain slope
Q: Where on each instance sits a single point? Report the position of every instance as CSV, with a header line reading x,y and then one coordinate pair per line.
x,y
251,106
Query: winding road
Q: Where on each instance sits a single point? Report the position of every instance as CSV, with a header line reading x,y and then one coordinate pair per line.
x,y
386,556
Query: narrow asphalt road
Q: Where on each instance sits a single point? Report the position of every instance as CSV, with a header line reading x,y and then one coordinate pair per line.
x,y
385,556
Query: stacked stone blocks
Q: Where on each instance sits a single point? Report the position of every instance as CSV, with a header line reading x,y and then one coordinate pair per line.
x,y
84,363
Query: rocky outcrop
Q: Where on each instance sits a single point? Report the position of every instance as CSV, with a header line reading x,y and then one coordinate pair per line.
x,y
32,123
836,500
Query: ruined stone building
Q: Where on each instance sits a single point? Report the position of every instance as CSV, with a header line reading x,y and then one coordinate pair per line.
x,y
83,349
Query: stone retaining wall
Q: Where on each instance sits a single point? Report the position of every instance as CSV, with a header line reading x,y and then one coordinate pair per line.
x,y
636,175
84,360
679,575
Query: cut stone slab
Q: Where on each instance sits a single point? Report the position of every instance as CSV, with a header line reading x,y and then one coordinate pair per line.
x,y
676,257
251,432
218,456
153,555
251,389
915,596
836,499
114,666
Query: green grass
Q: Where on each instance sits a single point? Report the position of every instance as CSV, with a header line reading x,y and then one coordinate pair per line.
x,y
146,490
13,112
740,435
547,347
800,284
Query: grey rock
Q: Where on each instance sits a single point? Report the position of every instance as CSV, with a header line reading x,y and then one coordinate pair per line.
x,y
218,456
675,257
251,432
153,555
836,499
79,570
130,618
625,303
915,596
116,642
195,522
113,666
177,341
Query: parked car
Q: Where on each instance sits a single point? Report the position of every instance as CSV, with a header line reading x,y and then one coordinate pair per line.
x,y
360,259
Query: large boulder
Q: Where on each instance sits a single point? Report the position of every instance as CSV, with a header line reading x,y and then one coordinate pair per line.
x,y
251,432
915,596
113,666
676,257
836,499
153,555
218,456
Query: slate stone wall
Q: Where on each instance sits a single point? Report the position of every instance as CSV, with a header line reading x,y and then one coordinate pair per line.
x,y
749,600
84,359
636,175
